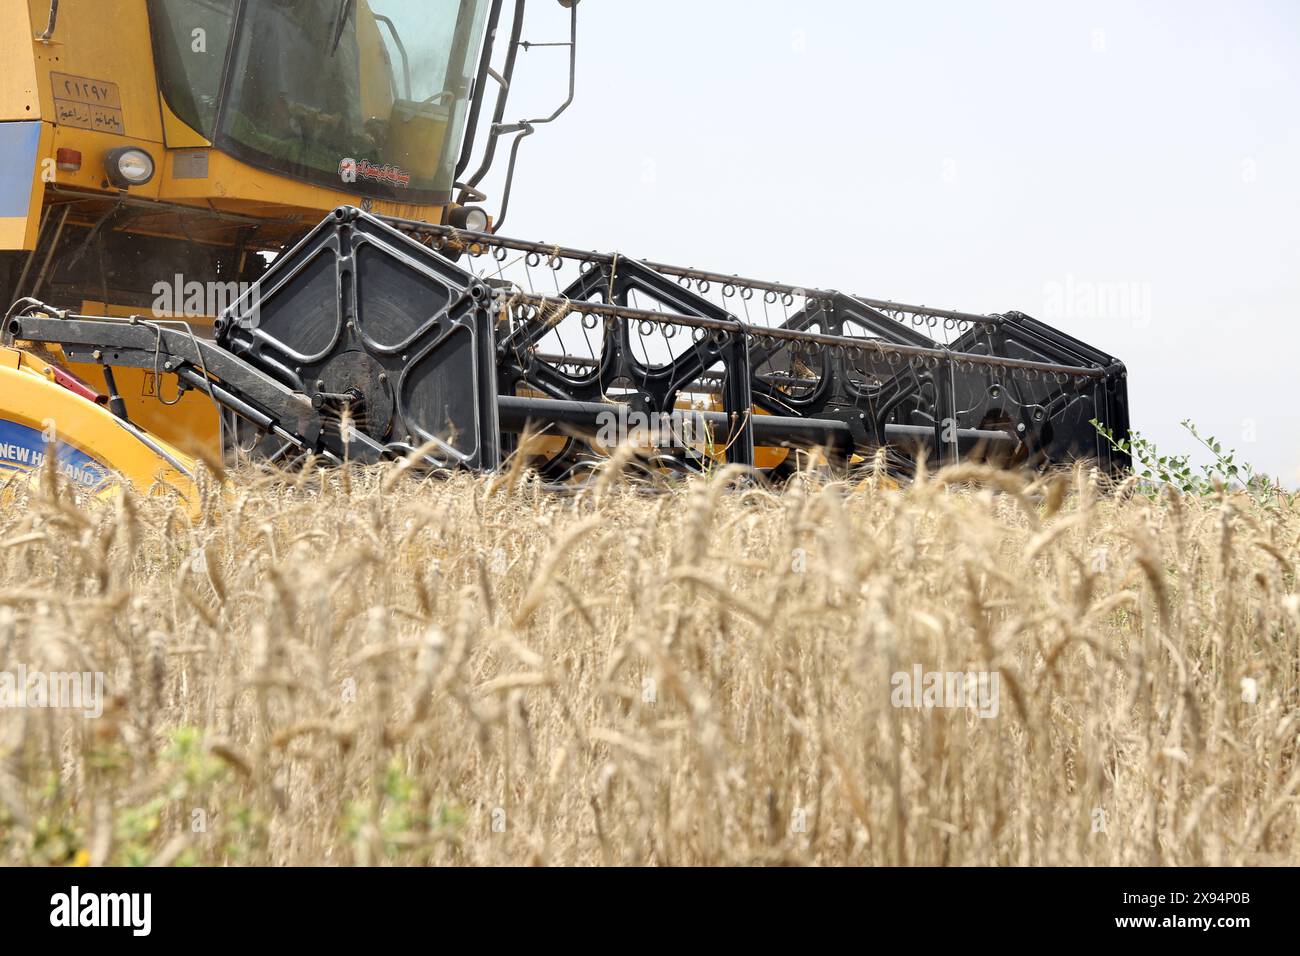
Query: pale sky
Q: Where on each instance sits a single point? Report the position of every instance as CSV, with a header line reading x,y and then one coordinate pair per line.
x,y
1129,172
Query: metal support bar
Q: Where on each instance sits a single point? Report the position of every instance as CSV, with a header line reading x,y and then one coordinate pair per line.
x,y
517,412
490,240
877,346
149,345
945,431
48,33
738,401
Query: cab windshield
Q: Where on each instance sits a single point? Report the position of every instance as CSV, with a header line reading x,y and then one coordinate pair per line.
x,y
369,96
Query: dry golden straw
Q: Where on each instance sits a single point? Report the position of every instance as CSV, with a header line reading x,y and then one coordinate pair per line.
x,y
348,668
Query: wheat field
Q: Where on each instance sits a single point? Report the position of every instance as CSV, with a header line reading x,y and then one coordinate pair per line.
x,y
365,668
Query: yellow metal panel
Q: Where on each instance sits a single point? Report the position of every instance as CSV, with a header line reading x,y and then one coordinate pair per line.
x,y
104,42
99,53
18,94
92,146
233,186
13,233
31,400
178,133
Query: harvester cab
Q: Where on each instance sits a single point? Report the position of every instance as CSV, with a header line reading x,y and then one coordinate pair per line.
x,y
255,226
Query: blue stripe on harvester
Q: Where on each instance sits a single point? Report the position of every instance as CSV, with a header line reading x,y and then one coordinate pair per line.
x,y
19,143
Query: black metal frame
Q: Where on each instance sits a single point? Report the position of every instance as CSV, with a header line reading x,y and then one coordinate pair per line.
x,y
872,370
364,342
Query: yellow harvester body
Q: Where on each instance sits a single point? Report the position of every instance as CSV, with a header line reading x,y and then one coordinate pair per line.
x,y
253,135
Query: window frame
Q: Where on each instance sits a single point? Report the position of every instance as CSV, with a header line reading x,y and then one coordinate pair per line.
x,y
165,88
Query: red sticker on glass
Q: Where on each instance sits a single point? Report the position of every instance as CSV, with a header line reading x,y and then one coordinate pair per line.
x,y
350,170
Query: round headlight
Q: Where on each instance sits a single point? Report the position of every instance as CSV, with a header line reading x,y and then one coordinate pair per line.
x,y
469,218
128,166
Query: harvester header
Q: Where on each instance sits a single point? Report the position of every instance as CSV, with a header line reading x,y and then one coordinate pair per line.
x,y
374,339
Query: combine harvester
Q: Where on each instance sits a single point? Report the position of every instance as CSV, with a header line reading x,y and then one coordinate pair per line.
x,y
158,151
